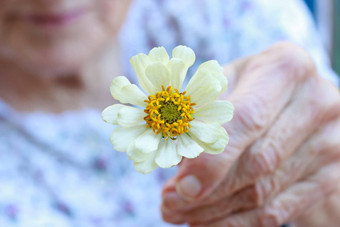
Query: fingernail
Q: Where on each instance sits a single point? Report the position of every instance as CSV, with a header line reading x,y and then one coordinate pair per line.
x,y
172,201
189,187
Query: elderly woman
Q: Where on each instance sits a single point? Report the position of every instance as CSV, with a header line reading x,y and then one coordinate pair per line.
x,y
57,59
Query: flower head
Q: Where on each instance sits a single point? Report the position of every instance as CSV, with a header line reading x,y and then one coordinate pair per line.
x,y
169,124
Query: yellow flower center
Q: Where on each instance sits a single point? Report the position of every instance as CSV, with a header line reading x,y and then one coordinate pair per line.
x,y
169,112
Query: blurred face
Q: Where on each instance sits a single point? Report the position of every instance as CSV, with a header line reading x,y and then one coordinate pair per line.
x,y
57,36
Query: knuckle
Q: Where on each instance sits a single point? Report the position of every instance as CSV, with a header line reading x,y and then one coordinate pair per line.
x,y
259,191
330,100
323,102
248,198
328,180
251,113
262,163
292,58
318,108
264,189
266,161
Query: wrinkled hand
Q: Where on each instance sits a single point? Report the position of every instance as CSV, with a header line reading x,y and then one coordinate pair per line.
x,y
284,149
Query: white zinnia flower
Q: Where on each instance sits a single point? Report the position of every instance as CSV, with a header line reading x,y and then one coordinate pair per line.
x,y
171,124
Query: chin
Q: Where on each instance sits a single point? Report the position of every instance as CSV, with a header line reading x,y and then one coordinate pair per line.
x,y
53,68
52,62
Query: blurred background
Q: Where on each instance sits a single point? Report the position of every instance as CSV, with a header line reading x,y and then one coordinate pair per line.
x,y
327,17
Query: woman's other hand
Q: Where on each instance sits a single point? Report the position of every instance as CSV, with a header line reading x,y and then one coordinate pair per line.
x,y
284,150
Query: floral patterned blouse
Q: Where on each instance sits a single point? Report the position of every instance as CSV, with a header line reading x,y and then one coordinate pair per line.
x,y
61,170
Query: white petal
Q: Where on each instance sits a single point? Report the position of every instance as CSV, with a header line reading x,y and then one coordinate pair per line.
x,y
148,141
135,154
118,83
159,75
139,64
203,88
167,155
122,137
133,95
177,71
186,54
130,116
218,111
110,113
146,166
219,146
159,54
187,147
126,116
207,133
216,71
122,90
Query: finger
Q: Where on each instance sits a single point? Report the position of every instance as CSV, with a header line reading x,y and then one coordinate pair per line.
x,y
290,204
211,213
300,119
264,88
320,150
313,155
290,130
257,100
301,196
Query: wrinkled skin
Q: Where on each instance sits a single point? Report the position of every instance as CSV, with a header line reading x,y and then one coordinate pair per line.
x,y
282,162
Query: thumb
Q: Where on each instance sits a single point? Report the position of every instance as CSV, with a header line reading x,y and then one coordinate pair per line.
x,y
198,177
